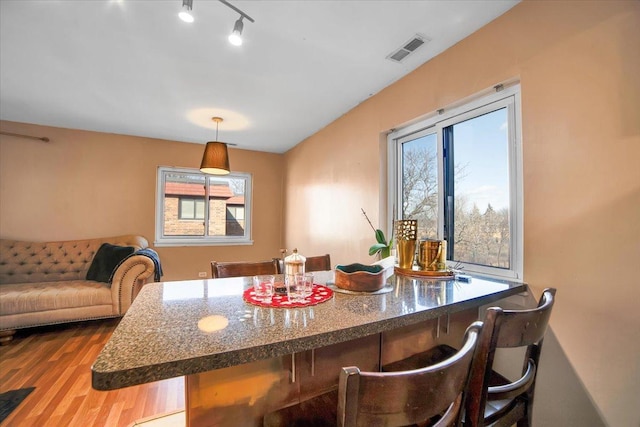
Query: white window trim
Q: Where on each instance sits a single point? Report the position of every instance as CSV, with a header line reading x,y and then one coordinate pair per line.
x,y
165,241
444,117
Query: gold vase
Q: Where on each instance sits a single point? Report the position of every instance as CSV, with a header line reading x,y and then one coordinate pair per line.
x,y
406,233
406,253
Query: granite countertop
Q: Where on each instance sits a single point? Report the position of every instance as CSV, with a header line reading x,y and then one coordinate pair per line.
x,y
187,327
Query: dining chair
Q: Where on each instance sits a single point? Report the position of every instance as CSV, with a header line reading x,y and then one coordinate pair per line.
x,y
318,263
236,269
431,395
312,263
503,402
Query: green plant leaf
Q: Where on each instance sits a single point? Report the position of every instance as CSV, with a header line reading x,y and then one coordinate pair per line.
x,y
374,249
380,237
385,252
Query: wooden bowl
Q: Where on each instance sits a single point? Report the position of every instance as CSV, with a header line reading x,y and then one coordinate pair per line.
x,y
360,277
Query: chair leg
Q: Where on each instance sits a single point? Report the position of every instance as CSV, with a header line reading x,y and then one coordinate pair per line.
x,y
526,421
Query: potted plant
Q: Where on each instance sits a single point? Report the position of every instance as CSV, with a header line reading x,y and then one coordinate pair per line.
x,y
381,247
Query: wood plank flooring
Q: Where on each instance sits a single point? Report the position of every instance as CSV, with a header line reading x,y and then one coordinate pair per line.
x,y
57,361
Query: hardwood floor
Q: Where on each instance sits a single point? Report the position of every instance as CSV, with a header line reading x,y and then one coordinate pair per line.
x,y
57,362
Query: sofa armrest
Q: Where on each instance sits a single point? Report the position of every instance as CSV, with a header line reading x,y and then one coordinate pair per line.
x,y
128,279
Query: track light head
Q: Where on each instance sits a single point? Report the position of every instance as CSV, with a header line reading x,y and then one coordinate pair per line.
x,y
236,36
185,14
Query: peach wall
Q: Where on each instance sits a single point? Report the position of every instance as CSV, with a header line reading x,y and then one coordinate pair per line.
x,y
88,184
578,63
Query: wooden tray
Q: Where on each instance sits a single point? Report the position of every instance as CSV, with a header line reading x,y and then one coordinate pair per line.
x,y
423,273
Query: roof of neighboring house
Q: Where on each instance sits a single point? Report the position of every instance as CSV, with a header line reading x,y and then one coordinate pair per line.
x,y
188,189
235,200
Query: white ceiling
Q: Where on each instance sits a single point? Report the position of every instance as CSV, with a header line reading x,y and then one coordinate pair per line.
x,y
133,67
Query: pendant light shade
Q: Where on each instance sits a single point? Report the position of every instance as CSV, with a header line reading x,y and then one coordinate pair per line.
x,y
215,159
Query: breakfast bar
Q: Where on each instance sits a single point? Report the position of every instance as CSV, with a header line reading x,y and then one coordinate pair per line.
x,y
242,360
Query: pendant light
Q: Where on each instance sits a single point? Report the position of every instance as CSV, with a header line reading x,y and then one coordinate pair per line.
x,y
215,159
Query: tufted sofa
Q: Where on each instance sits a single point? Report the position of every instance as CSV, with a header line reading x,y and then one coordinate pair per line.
x,y
45,283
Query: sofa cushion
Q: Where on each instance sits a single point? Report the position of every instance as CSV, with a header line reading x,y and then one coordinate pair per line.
x,y
106,260
36,297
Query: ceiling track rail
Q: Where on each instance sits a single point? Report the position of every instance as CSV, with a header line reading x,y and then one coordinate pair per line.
x,y
19,135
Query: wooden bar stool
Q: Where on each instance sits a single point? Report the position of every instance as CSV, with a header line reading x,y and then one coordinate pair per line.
x,y
430,395
237,269
503,402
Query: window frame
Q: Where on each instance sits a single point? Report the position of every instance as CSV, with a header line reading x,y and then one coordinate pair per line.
x,y
436,122
162,240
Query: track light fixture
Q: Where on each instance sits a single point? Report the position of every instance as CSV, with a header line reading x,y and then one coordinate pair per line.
x,y
236,35
185,14
235,38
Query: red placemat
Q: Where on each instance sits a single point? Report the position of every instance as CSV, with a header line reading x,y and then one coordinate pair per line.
x,y
319,294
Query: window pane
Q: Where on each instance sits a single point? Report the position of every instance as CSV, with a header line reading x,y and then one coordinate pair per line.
x,y
240,213
186,208
226,195
481,190
180,192
199,209
420,184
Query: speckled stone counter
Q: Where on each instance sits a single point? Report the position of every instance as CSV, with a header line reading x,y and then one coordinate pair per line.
x,y
189,327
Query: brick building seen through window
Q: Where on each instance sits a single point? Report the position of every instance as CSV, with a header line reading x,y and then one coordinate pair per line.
x,y
184,210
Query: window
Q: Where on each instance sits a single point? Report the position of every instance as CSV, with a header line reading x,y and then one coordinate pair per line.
x,y
459,173
199,209
191,208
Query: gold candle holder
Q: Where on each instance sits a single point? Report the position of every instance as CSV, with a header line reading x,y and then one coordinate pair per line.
x,y
406,234
432,255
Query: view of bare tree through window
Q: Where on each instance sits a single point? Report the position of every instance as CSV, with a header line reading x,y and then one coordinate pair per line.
x,y
481,214
479,161
420,184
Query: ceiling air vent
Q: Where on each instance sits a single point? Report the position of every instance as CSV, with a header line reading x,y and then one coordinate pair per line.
x,y
407,48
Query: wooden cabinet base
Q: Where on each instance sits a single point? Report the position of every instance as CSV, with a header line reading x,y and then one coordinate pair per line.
x,y
242,395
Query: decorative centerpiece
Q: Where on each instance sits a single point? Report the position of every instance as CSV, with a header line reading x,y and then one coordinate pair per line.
x,y
406,235
360,278
432,255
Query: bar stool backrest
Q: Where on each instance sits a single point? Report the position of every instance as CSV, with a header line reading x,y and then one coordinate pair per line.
x,y
499,400
407,397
